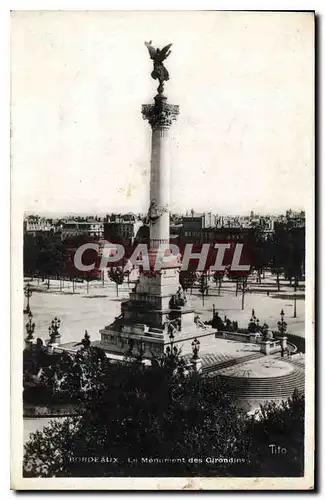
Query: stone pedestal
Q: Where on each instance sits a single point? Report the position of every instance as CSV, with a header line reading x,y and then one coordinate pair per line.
x,y
283,342
265,347
197,364
51,347
255,338
269,335
28,343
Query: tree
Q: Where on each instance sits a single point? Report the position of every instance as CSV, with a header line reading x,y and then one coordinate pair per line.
x,y
243,287
295,298
30,255
218,278
234,278
278,271
288,252
256,242
281,425
127,273
123,415
126,416
116,274
44,255
203,286
279,251
63,378
295,264
56,440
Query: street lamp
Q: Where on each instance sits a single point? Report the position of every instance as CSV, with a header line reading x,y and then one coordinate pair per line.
x,y
254,323
54,333
282,325
171,334
30,328
28,293
195,348
171,350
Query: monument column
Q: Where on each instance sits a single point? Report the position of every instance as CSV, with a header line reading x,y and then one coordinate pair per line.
x,y
157,305
160,116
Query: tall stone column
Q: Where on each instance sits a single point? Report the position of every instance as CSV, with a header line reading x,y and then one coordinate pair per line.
x,y
157,306
160,116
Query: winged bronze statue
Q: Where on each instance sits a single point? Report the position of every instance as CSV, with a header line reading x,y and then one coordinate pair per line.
x,y
159,71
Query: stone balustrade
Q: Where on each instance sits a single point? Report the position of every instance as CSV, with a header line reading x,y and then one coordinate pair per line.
x,y
269,346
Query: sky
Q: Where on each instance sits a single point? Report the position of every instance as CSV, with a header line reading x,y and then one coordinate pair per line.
x,y
244,139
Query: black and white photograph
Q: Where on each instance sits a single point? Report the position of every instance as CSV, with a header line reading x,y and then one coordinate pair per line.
x,y
162,194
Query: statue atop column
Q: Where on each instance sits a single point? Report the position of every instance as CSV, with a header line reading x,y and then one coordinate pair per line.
x,y
160,114
158,56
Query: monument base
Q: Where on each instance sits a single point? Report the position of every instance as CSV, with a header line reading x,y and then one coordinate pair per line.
x,y
156,313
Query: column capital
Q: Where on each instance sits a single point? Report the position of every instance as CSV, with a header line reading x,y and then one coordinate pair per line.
x,y
161,114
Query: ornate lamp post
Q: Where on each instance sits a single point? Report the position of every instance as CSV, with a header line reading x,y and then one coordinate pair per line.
x,y
54,333
171,334
30,328
28,293
196,360
282,325
195,348
254,324
170,331
172,351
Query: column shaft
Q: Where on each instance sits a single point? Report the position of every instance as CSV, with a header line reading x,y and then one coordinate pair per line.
x,y
160,186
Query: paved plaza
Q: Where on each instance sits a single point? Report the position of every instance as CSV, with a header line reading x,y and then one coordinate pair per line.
x,y
100,306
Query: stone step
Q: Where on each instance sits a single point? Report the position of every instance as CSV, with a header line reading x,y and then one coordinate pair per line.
x,y
267,388
270,382
283,393
230,362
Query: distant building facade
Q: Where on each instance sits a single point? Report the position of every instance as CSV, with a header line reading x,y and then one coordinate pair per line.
x,y
93,229
122,230
38,225
199,221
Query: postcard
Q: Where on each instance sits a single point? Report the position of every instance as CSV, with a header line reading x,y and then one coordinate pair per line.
x,y
162,199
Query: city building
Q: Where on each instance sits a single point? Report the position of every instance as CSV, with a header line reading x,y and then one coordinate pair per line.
x,y
72,228
199,221
122,230
38,225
